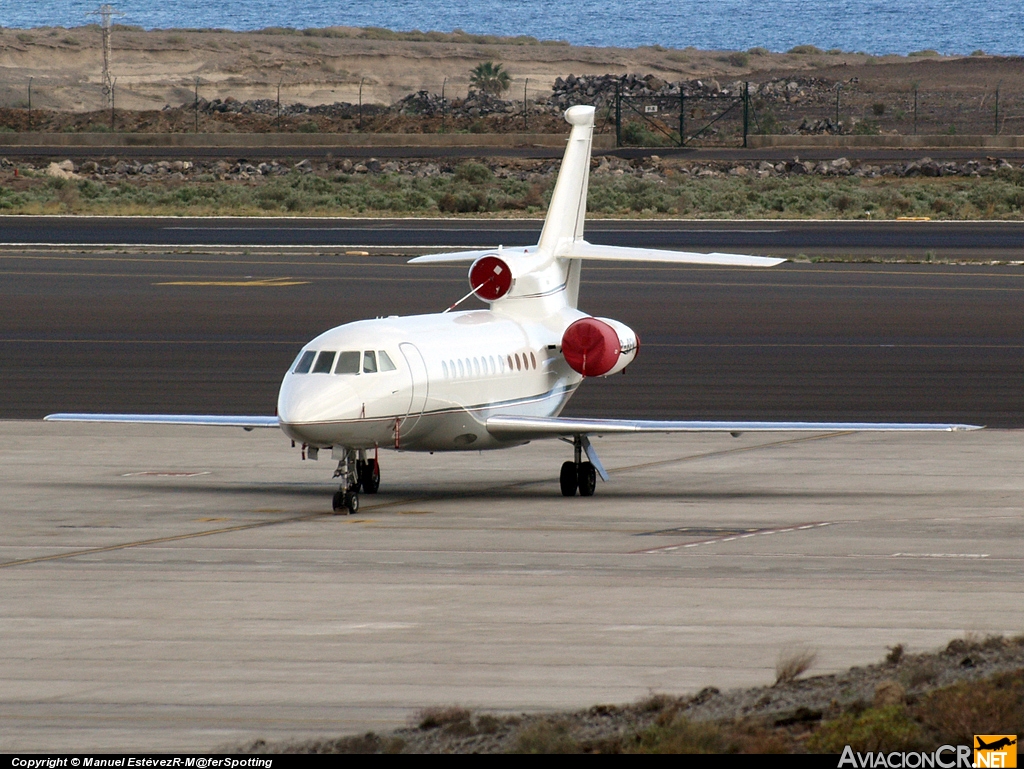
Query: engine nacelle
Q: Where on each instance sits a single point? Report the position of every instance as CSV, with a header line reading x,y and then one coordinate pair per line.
x,y
599,346
490,277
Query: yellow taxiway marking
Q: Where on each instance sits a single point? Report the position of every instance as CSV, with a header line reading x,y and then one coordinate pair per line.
x,y
270,282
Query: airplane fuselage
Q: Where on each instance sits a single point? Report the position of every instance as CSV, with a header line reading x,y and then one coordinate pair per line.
x,y
426,382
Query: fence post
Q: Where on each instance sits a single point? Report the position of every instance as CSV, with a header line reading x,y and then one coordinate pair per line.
x,y
444,104
197,107
682,115
746,110
839,90
997,106
915,110
112,84
526,124
361,102
618,113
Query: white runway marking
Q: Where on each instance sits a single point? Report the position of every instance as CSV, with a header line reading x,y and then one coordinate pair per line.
x,y
731,538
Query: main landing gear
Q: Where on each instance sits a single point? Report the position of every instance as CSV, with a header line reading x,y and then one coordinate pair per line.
x,y
355,471
578,475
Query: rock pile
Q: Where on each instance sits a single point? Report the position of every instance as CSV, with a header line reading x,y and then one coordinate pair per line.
x,y
599,90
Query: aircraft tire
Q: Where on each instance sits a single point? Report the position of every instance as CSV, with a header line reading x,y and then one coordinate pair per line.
x,y
587,479
338,503
567,479
352,502
369,478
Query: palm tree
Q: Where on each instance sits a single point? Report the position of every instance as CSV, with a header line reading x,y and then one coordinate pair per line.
x,y
490,78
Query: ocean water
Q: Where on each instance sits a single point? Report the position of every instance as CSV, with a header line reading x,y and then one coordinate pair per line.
x,y
874,26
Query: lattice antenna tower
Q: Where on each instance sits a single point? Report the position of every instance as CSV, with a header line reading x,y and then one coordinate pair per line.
x,y
106,12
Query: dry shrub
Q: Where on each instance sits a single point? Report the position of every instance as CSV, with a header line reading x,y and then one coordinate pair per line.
x,y
488,724
432,718
791,665
889,693
546,737
655,703
992,706
918,673
895,654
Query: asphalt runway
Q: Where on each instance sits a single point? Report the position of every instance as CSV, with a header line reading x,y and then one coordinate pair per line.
x,y
213,332
942,239
187,589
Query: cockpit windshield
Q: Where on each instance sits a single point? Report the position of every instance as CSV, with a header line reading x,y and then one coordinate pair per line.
x,y
345,362
348,363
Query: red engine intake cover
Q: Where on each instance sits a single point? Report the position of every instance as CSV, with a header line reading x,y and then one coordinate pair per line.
x,y
490,278
591,347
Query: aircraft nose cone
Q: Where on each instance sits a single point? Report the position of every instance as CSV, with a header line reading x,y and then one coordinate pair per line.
x,y
316,398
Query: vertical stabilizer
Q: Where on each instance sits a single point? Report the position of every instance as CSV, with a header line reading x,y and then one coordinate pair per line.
x,y
564,222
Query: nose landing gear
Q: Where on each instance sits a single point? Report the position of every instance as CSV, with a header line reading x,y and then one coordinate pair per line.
x,y
355,471
579,475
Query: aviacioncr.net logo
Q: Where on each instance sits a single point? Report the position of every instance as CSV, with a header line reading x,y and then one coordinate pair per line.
x,y
995,751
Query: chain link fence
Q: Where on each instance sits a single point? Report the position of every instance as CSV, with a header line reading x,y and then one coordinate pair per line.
x,y
639,111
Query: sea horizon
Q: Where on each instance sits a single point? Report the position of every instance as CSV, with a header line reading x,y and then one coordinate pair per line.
x,y
871,26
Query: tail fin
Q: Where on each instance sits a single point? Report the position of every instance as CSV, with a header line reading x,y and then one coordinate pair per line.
x,y
564,222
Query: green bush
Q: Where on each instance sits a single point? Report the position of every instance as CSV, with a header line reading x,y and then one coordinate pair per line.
x,y
805,49
680,735
474,173
739,59
876,729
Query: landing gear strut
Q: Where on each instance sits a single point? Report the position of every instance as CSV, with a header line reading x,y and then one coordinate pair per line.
x,y
578,475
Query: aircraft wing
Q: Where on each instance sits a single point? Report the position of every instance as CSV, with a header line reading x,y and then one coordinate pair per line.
x,y
580,249
527,428
247,422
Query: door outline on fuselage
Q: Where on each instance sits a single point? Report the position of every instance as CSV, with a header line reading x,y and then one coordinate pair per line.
x,y
419,385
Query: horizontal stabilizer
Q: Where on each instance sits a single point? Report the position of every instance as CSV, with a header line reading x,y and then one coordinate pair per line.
x,y
583,250
469,256
526,428
168,419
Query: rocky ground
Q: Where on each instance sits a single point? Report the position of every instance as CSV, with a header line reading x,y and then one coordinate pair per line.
x,y
114,170
779,718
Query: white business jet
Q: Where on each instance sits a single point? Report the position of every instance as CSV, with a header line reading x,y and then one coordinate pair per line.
x,y
481,379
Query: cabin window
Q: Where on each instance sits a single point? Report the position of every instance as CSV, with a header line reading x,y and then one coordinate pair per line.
x,y
490,359
304,362
369,362
533,359
324,361
462,371
476,366
384,361
444,368
519,365
510,366
348,363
